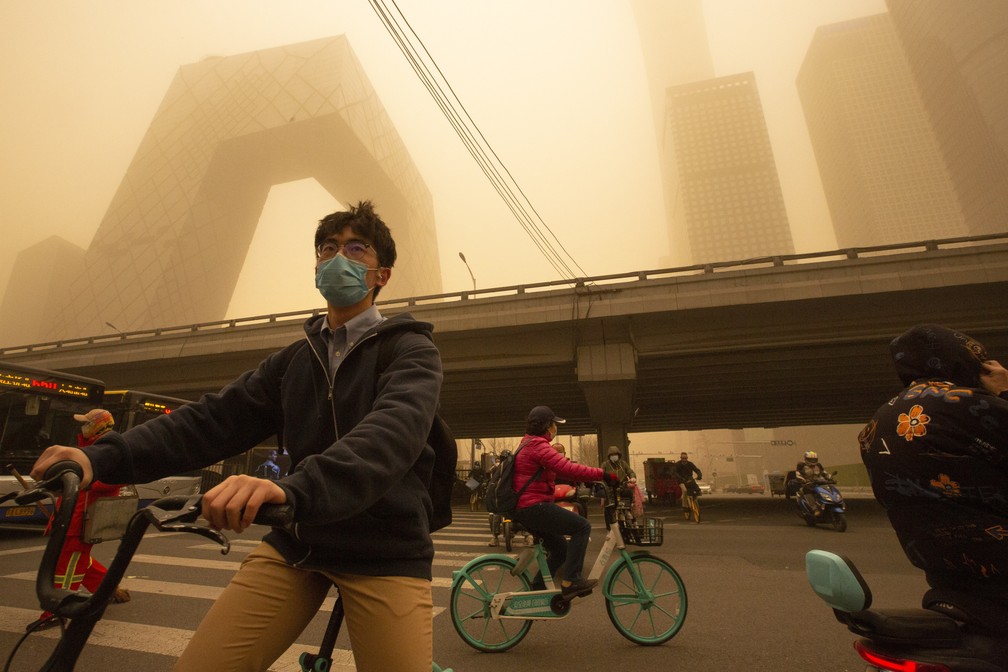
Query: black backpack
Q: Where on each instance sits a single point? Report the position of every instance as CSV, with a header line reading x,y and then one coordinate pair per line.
x,y
441,439
500,495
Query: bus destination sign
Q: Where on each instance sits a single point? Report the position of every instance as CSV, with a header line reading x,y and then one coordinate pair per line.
x,y
51,385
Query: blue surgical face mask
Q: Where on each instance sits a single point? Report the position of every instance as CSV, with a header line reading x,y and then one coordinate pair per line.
x,y
341,281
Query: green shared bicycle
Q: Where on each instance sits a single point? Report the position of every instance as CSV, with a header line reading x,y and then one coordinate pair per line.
x,y
493,603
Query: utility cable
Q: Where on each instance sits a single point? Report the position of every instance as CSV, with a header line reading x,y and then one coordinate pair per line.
x,y
476,143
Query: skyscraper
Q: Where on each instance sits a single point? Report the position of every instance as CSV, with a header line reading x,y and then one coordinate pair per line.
x,y
958,53
881,167
731,194
673,38
172,244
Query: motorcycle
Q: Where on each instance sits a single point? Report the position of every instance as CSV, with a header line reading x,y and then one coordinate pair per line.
x,y
953,633
826,506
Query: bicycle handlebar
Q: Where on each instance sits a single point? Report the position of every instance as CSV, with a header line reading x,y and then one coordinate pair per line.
x,y
177,513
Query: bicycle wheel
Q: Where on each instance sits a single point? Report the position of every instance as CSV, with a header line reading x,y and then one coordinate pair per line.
x,y
470,605
653,614
508,534
687,509
695,509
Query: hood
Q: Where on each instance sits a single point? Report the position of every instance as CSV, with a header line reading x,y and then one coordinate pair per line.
x,y
933,352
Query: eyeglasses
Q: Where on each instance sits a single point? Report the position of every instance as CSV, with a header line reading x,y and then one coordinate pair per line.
x,y
352,249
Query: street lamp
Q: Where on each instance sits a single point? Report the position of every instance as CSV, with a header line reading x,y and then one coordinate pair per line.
x,y
462,257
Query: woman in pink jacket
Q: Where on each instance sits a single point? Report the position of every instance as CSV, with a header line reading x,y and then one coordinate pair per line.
x,y
538,464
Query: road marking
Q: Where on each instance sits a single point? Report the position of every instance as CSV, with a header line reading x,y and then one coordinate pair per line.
x,y
158,639
193,590
29,549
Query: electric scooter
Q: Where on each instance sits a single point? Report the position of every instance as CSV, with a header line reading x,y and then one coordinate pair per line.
x,y
953,633
828,507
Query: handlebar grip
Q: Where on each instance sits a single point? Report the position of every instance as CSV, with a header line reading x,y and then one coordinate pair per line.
x,y
275,515
55,470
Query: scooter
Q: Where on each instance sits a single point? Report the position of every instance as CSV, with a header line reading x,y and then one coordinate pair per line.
x,y
829,506
953,633
567,497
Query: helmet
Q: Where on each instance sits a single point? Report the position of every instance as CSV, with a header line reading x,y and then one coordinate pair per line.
x,y
811,457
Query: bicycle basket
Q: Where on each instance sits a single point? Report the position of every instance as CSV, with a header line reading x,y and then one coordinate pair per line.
x,y
648,533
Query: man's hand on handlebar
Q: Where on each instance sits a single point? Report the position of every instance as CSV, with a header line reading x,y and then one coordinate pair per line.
x,y
233,504
54,454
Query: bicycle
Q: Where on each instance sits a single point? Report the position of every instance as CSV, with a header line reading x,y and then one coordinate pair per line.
x,y
690,502
477,496
493,603
501,525
78,614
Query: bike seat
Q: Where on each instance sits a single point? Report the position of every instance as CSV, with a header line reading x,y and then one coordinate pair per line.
x,y
979,614
919,627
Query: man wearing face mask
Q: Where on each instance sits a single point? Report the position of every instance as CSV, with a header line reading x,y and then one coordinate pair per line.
x,y
356,433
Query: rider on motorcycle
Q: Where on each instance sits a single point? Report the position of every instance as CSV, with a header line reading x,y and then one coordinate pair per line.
x,y
937,455
807,472
684,470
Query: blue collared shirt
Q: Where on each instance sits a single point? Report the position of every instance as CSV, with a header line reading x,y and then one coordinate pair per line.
x,y
339,341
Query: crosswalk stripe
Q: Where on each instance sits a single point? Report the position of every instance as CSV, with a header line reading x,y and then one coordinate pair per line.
x,y
195,591
159,639
29,549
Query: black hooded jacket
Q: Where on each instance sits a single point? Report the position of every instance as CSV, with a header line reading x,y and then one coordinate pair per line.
x,y
937,454
360,465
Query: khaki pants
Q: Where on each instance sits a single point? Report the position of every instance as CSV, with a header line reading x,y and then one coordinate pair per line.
x,y
269,602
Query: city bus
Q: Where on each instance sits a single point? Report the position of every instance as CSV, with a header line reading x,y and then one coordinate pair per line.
x,y
130,408
36,410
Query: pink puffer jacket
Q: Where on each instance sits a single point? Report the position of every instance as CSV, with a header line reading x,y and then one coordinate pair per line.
x,y
537,452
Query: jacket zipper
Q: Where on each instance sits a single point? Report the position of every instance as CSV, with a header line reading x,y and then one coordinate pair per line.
x,y
332,408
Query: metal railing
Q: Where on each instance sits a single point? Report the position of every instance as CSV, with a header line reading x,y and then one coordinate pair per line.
x,y
583,284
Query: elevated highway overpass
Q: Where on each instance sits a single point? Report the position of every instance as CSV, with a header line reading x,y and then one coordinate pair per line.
x,y
781,341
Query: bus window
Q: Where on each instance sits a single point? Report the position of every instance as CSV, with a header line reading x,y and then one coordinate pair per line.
x,y
131,408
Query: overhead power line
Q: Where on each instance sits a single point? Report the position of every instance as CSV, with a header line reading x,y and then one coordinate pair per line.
x,y
426,68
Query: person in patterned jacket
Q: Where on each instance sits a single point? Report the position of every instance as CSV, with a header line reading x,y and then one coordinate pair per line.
x,y
937,455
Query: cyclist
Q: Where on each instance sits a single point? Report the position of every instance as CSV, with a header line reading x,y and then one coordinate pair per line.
x,y
937,454
538,464
683,471
619,468
357,439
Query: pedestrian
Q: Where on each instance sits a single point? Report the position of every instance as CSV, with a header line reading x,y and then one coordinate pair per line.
x,y
269,468
76,566
359,475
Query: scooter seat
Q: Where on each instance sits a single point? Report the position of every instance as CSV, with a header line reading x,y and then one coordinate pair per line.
x,y
920,627
978,614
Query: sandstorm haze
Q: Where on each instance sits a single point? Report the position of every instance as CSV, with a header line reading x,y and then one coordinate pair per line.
x,y
558,89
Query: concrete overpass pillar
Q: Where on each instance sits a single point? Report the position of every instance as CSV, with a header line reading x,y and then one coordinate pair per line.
x,y
607,374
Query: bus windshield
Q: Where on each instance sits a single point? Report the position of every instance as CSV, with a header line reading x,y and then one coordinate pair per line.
x,y
37,409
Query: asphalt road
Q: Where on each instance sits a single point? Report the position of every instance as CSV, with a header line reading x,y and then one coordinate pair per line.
x,y
749,605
